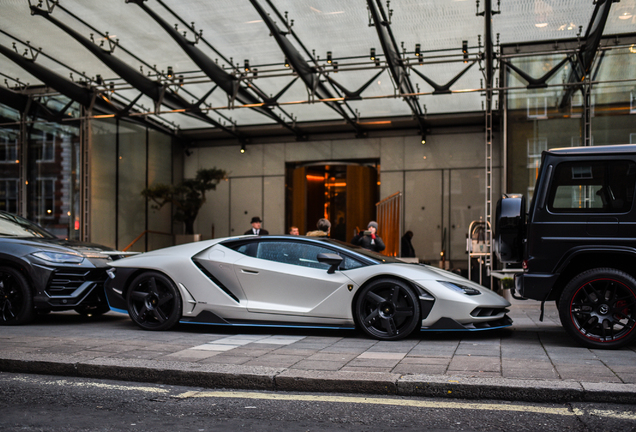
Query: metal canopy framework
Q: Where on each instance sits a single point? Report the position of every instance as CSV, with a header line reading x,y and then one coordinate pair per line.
x,y
180,70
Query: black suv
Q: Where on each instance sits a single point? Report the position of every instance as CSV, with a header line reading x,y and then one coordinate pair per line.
x,y
577,242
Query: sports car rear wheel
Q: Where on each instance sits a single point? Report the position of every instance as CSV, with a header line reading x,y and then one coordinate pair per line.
x,y
153,301
16,301
387,309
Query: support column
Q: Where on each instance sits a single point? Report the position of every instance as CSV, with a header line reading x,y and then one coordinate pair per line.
x,y
23,157
586,89
85,178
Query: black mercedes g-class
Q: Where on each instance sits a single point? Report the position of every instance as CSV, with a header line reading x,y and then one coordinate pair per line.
x,y
577,242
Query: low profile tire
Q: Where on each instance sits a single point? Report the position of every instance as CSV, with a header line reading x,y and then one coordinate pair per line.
x,y
153,301
387,309
598,308
16,299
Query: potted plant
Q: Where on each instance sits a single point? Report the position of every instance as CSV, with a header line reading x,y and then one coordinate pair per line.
x,y
187,197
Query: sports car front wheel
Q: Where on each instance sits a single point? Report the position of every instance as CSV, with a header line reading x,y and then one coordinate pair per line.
x,y
387,309
153,301
16,301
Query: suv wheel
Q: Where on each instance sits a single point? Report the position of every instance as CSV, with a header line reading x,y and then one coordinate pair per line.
x,y
598,308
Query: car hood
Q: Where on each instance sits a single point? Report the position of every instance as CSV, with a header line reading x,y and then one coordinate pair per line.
x,y
76,246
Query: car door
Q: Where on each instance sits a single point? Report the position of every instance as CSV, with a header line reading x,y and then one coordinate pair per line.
x,y
284,277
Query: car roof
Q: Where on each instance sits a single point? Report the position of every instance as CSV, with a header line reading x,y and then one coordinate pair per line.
x,y
366,255
608,149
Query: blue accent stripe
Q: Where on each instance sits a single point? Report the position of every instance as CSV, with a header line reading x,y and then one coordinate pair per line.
x,y
115,309
270,325
119,310
465,330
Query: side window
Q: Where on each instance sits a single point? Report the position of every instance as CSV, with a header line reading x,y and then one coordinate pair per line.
x,y
301,254
245,248
593,187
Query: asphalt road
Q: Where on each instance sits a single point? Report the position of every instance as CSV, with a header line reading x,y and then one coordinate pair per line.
x,y
46,403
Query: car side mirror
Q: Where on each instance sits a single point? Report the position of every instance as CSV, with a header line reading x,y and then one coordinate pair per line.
x,y
332,259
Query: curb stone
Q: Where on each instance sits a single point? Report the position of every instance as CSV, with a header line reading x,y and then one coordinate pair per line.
x,y
282,379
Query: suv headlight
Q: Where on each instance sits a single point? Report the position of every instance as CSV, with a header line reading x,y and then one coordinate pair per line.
x,y
460,288
59,257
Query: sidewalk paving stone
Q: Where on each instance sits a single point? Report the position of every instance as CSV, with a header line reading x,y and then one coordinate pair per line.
x,y
529,361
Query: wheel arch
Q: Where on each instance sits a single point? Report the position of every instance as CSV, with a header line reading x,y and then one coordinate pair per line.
x,y
623,259
20,266
130,277
373,279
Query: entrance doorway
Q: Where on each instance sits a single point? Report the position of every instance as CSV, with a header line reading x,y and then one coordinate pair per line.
x,y
344,193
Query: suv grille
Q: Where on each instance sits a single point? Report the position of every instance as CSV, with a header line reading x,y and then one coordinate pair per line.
x,y
74,282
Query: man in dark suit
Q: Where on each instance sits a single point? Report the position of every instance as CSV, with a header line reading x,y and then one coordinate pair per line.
x,y
256,227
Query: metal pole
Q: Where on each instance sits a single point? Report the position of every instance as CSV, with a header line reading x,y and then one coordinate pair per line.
x,y
85,178
23,155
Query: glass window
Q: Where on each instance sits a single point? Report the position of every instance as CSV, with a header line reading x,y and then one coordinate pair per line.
x,y
9,195
46,149
593,186
8,149
292,252
45,197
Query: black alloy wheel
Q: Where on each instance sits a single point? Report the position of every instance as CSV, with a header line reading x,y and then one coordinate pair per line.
x,y
153,301
387,309
16,301
598,308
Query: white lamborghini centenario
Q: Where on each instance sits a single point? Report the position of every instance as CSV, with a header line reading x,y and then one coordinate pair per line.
x,y
295,281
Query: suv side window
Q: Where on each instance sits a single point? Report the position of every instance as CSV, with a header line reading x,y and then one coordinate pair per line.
x,y
593,187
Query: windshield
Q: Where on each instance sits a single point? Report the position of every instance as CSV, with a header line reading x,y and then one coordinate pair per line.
x,y
15,226
380,259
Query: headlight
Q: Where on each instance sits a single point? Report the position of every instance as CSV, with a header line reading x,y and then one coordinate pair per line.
x,y
460,288
58,257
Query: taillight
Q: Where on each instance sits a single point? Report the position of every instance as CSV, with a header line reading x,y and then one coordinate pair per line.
x,y
524,264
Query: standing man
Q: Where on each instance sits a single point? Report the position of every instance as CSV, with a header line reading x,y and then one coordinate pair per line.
x,y
256,227
369,239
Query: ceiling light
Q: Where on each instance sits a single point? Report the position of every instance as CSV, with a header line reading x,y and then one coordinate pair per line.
x,y
423,138
632,49
625,16
541,25
243,148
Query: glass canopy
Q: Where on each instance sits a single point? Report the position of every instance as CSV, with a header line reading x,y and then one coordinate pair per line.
x,y
333,32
